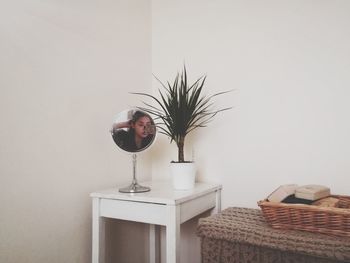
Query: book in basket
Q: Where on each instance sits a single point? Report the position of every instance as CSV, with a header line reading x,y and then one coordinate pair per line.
x,y
282,192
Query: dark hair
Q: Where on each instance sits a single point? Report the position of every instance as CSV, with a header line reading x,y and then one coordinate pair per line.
x,y
131,131
135,117
139,114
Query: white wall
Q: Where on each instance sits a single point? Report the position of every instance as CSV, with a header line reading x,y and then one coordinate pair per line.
x,y
289,63
66,69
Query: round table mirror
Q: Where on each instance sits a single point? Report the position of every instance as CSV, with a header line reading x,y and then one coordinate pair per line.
x,y
133,131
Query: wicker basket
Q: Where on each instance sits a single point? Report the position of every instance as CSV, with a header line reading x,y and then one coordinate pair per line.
x,y
327,220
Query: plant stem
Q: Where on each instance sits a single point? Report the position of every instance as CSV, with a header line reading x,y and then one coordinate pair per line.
x,y
180,146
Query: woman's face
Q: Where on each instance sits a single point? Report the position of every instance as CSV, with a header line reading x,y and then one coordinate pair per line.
x,y
140,126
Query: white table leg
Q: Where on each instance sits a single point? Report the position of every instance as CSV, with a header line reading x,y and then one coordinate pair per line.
x,y
153,243
217,208
173,234
98,233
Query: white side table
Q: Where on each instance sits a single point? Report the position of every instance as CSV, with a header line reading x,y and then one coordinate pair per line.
x,y
161,206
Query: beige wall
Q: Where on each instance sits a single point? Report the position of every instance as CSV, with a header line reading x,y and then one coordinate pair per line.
x,y
66,69
288,62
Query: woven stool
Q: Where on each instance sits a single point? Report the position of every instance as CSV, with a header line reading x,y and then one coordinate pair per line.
x,y
242,235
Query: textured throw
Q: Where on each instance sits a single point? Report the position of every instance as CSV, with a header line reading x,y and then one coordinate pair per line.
x,y
242,235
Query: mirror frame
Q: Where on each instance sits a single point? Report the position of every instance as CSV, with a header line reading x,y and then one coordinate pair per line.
x,y
122,118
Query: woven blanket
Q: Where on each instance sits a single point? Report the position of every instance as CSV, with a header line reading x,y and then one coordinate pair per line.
x,y
247,227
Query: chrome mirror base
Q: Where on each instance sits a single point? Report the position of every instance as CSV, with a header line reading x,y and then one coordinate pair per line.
x,y
135,188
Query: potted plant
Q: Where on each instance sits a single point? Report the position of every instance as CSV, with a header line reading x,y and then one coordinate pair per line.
x,y
182,108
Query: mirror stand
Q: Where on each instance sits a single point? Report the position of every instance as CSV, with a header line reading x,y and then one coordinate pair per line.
x,y
134,187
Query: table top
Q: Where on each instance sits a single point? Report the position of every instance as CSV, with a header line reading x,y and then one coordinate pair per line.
x,y
161,193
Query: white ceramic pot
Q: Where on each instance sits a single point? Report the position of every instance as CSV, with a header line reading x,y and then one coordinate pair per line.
x,y
183,175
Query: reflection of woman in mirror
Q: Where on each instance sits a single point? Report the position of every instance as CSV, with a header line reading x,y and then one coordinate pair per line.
x,y
135,134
